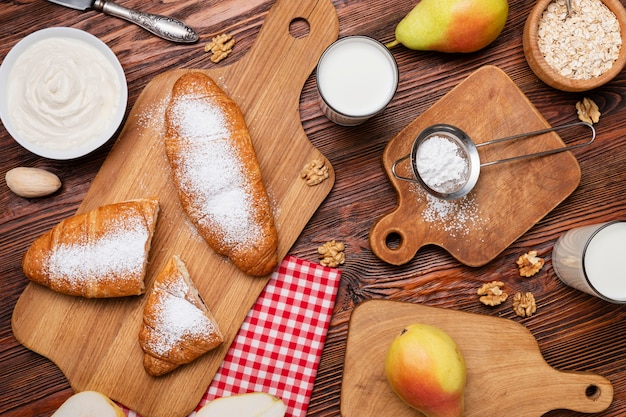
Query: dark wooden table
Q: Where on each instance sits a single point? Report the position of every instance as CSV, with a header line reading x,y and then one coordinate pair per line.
x,y
575,331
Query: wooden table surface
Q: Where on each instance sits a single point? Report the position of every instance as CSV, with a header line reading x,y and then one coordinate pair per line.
x,y
574,331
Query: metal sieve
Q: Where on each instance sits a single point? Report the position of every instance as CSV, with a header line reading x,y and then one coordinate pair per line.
x,y
468,150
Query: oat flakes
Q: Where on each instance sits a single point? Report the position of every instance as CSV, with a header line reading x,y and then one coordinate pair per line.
x,y
582,46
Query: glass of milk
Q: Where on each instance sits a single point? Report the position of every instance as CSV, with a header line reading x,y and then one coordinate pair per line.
x,y
357,77
591,259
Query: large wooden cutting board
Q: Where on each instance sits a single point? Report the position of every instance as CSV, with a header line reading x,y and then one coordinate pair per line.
x,y
94,342
506,373
508,199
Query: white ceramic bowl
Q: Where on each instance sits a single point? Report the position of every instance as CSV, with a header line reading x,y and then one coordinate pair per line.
x,y
108,126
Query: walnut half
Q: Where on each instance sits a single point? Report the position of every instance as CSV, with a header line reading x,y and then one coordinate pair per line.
x,y
491,293
314,172
588,111
529,264
220,46
332,254
524,304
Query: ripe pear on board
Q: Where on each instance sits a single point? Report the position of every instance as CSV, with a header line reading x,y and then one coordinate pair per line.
x,y
452,25
427,370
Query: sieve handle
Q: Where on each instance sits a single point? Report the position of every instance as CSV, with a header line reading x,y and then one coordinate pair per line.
x,y
540,132
398,176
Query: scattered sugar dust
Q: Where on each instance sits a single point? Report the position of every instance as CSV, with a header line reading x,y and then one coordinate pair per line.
x,y
457,217
153,115
149,123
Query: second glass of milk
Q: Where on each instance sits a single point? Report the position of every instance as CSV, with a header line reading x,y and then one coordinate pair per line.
x,y
357,77
590,259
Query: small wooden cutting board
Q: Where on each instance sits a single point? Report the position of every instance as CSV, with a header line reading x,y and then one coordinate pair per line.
x,y
506,373
508,199
95,342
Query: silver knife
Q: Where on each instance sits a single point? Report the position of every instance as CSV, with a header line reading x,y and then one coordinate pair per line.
x,y
166,27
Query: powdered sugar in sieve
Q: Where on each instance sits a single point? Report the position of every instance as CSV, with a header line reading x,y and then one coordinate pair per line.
x,y
445,160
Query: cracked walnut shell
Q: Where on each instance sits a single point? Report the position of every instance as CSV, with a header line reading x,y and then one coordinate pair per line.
x,y
529,264
491,293
524,304
332,254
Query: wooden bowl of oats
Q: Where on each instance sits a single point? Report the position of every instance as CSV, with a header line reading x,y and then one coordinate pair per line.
x,y
578,52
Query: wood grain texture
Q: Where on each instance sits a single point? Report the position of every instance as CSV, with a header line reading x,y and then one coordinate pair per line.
x,y
504,365
574,331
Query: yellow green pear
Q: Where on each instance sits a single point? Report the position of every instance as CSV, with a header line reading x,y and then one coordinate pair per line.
x,y
426,369
452,25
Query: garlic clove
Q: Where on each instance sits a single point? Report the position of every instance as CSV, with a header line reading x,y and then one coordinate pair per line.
x,y
32,182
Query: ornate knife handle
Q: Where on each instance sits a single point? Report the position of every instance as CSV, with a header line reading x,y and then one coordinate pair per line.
x,y
166,27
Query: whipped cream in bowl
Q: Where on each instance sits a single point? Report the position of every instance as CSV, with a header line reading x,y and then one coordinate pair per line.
x,y
64,93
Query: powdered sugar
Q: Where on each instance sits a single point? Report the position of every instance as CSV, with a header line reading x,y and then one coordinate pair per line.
x,y
457,217
196,118
151,116
442,164
177,318
210,170
120,252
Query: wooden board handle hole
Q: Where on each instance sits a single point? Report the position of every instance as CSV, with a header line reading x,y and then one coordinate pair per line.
x,y
593,392
299,28
393,240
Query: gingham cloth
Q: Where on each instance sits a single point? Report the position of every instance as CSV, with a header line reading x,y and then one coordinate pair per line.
x,y
278,347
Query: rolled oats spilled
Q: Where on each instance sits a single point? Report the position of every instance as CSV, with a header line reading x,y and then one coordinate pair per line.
x,y
582,46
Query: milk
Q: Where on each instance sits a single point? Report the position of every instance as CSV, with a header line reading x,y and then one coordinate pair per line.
x,y
356,78
591,258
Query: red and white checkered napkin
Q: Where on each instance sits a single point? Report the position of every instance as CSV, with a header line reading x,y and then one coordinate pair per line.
x,y
278,347
279,344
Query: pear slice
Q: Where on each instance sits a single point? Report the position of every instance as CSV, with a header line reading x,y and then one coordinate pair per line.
x,y
253,404
277,409
89,404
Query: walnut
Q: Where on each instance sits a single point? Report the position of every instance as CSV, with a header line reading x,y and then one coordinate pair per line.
x,y
588,111
332,254
524,304
529,264
221,46
314,172
491,293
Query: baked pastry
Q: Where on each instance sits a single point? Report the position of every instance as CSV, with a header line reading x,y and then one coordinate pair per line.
x,y
217,175
98,254
177,325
